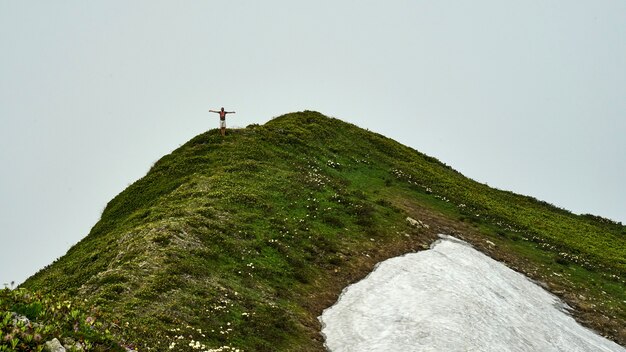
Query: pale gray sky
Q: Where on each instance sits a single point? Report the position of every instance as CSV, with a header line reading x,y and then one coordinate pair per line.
x,y
527,96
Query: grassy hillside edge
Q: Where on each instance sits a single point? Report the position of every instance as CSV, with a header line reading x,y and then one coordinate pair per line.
x,y
241,242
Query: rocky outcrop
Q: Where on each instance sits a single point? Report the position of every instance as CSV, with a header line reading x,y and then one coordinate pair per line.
x,y
417,223
54,345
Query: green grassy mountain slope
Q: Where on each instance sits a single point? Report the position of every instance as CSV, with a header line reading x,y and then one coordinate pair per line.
x,y
242,241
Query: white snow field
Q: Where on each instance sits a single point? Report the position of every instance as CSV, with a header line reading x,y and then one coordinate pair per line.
x,y
452,298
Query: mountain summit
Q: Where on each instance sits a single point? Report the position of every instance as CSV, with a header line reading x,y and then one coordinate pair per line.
x,y
241,242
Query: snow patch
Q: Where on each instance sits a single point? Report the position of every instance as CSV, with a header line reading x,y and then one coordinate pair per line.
x,y
452,298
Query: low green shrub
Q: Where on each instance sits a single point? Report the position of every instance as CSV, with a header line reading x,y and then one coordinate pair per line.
x,y
28,320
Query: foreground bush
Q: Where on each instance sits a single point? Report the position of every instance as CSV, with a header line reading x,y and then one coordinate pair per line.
x,y
29,319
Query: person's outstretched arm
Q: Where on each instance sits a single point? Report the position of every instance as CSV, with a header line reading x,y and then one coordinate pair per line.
x,y
229,112
214,111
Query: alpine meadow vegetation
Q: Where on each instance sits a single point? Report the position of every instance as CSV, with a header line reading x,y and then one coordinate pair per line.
x,y
28,320
238,243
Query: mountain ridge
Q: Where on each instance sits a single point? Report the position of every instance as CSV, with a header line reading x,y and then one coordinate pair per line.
x,y
247,238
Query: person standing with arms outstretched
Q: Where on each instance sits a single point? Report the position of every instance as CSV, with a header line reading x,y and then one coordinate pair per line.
x,y
222,119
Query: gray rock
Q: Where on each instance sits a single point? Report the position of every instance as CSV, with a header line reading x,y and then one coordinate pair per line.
x,y
417,223
412,221
16,318
72,345
54,345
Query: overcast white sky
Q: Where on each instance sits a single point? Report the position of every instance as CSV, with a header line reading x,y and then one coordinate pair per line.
x,y
527,96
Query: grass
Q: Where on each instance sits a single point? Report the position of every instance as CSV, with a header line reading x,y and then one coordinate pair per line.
x,y
240,242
